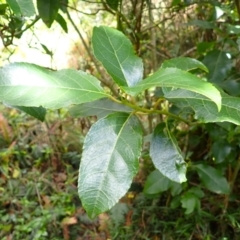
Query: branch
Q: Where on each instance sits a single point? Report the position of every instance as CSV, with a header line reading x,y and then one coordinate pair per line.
x,y
109,84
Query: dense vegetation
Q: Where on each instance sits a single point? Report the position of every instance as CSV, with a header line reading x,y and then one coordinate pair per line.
x,y
152,115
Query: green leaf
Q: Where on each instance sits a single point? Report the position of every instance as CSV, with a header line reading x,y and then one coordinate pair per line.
x,y
113,4
37,112
22,7
3,8
115,52
212,179
204,47
156,183
63,5
25,84
190,202
176,78
176,188
205,110
46,50
175,2
48,10
202,24
99,108
196,191
184,63
218,64
62,22
109,161
221,151
166,155
118,213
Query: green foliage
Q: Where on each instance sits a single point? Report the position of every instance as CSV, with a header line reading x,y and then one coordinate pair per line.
x,y
62,22
212,179
175,78
22,7
100,108
204,109
113,144
116,54
48,10
183,63
46,88
182,119
37,112
166,155
219,64
109,161
157,183
191,200
113,4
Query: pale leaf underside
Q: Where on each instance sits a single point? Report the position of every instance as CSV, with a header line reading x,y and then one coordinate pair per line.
x,y
109,161
205,110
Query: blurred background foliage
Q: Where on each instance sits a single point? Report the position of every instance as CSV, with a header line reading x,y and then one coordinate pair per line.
x,y
39,160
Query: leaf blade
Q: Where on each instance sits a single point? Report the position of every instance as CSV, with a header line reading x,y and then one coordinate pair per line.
x,y
37,112
184,63
100,108
212,179
205,110
116,54
29,85
113,4
172,77
61,21
219,64
166,155
48,10
156,182
104,179
22,7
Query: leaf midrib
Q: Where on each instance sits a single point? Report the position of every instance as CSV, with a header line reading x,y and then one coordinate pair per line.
x,y
109,160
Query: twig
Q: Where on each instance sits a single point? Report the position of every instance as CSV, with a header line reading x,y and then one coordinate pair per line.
x,y
105,82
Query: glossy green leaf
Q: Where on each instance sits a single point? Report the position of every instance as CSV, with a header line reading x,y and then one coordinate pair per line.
x,y
22,7
156,183
212,179
48,10
24,84
184,63
176,78
99,108
115,52
113,4
37,112
166,154
62,22
218,64
109,161
205,110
